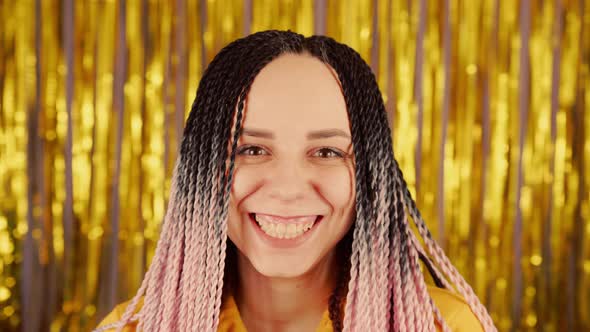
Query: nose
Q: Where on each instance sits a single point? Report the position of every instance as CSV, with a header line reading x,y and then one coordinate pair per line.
x,y
288,182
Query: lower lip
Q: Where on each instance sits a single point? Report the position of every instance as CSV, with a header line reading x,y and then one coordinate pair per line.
x,y
283,243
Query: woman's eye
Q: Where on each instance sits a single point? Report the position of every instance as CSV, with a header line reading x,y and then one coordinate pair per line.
x,y
251,151
328,153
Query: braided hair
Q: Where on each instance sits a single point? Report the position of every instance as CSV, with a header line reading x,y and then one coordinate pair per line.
x,y
380,286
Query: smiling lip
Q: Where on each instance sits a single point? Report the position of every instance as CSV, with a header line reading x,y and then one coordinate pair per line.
x,y
281,219
283,243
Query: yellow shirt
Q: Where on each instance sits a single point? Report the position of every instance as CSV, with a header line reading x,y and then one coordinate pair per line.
x,y
454,309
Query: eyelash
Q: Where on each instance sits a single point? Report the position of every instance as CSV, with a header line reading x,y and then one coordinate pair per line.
x,y
241,151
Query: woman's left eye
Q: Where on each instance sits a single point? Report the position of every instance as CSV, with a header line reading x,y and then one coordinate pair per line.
x,y
328,153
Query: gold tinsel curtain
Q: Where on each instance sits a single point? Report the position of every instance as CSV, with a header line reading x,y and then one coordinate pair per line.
x,y
490,108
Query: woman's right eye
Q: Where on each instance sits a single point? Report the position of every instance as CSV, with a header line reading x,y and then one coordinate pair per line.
x,y
251,150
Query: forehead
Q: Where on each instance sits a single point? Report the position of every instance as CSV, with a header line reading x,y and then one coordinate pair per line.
x,y
296,91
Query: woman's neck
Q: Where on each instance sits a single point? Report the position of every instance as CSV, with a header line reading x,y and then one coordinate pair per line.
x,y
284,304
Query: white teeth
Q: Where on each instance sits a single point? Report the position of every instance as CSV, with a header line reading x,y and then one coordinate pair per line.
x,y
294,228
267,218
281,230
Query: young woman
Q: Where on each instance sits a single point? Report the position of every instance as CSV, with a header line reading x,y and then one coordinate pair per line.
x,y
288,211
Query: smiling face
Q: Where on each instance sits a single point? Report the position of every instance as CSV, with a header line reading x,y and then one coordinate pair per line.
x,y
292,197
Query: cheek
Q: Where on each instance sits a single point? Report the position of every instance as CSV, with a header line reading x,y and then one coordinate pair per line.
x,y
246,179
244,183
337,186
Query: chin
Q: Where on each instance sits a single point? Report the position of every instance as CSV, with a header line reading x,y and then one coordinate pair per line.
x,y
281,267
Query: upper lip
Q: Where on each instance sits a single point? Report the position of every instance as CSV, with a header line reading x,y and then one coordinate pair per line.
x,y
286,216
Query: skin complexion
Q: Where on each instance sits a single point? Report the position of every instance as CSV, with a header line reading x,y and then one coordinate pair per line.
x,y
292,198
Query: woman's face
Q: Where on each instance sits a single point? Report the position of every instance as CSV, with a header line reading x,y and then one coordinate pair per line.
x,y
292,198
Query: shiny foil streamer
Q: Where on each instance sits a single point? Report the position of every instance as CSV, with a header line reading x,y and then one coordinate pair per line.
x,y
489,104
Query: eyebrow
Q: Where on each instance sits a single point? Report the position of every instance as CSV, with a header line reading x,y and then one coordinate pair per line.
x,y
317,134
